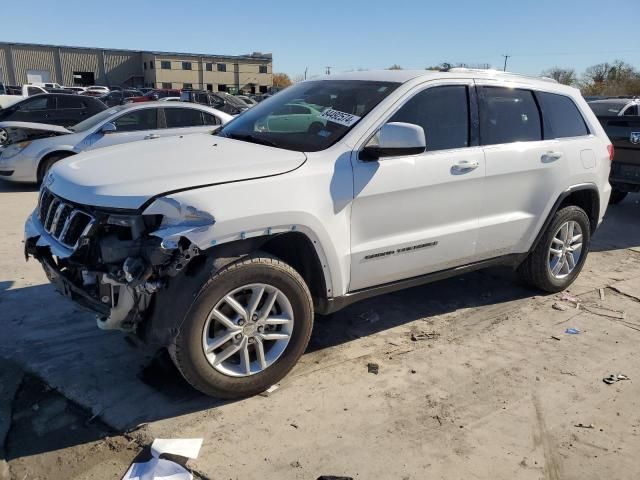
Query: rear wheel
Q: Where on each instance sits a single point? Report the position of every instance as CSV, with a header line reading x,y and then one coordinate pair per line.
x,y
616,196
47,163
560,255
246,329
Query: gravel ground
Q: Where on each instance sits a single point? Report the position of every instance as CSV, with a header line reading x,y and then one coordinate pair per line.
x,y
476,378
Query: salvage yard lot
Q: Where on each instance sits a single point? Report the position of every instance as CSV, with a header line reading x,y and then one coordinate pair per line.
x,y
471,382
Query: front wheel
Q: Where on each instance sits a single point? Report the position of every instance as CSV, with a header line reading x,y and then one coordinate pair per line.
x,y
560,255
246,329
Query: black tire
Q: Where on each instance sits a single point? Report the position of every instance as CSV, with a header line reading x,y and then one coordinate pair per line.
x,y
47,163
616,196
187,352
535,269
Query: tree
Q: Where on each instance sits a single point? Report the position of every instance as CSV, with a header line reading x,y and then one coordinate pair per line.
x,y
281,80
566,76
616,78
395,66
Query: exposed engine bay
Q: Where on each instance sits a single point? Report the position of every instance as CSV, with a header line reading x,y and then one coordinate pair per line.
x,y
16,132
108,261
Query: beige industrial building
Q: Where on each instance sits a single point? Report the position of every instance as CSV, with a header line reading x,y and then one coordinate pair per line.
x,y
22,63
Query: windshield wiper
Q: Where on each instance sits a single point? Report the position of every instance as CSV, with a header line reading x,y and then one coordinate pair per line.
x,y
247,137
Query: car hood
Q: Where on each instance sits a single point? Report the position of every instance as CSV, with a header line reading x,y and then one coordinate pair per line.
x,y
126,176
43,127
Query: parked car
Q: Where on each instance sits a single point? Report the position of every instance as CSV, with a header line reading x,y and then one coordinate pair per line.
x,y
293,117
154,95
170,99
100,90
222,248
620,118
76,89
29,161
118,97
248,100
15,94
146,90
219,100
55,108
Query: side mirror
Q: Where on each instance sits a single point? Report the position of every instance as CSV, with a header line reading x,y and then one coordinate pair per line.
x,y
396,139
108,128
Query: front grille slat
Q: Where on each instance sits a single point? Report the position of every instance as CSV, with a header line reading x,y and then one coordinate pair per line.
x,y
63,221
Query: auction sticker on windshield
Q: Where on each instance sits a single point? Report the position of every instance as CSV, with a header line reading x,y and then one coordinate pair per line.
x,y
342,118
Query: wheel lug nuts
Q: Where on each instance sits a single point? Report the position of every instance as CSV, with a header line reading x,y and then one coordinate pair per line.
x,y
238,336
251,340
240,322
254,317
260,329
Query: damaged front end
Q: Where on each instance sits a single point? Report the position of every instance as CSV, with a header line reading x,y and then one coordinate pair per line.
x,y
112,262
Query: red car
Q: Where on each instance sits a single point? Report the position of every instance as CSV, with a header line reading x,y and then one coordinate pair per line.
x,y
153,95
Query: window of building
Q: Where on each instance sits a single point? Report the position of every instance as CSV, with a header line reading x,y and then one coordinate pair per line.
x,y
508,115
222,87
183,117
145,119
210,87
209,67
186,65
264,89
443,113
262,69
151,65
165,65
561,116
222,67
84,79
187,86
167,85
145,65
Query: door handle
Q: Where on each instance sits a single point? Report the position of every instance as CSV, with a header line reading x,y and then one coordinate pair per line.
x,y
464,166
551,156
152,136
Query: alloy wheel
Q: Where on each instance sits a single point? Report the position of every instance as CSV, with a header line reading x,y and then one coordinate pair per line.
x,y
248,330
565,250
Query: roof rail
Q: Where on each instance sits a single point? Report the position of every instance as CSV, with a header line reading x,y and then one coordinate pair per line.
x,y
498,73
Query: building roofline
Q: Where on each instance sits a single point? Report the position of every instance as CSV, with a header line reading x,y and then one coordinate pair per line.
x,y
264,56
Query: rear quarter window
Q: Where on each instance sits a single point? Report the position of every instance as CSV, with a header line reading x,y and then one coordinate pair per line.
x,y
562,118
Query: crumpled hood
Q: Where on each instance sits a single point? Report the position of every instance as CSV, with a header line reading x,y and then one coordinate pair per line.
x,y
45,127
126,176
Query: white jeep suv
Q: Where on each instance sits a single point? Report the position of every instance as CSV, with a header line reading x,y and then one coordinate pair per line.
x,y
222,247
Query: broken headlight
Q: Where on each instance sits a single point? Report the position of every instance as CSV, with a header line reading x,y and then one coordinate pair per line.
x,y
175,213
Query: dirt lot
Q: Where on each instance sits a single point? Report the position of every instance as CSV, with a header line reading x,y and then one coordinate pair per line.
x,y
477,379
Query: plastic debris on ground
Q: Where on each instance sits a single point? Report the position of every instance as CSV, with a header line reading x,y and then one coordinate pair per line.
x,y
269,390
572,331
613,378
416,336
584,425
560,307
373,368
159,468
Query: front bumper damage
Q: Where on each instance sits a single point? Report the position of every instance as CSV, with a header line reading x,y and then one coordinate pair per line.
x,y
114,265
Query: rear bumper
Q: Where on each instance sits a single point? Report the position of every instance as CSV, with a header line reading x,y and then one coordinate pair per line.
x,y
625,176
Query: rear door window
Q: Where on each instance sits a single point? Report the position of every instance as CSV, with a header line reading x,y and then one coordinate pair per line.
x,y
145,119
443,113
508,115
71,102
562,118
210,119
40,103
183,117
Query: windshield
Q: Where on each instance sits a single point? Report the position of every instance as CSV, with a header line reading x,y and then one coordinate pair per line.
x,y
96,119
604,109
309,116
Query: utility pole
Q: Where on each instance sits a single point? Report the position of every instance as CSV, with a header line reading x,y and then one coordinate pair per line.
x,y
305,72
506,57
328,70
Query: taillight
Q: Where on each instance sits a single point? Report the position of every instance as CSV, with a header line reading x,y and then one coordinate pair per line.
x,y
611,152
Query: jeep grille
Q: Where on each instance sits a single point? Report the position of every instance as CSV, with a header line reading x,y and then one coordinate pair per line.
x,y
61,220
